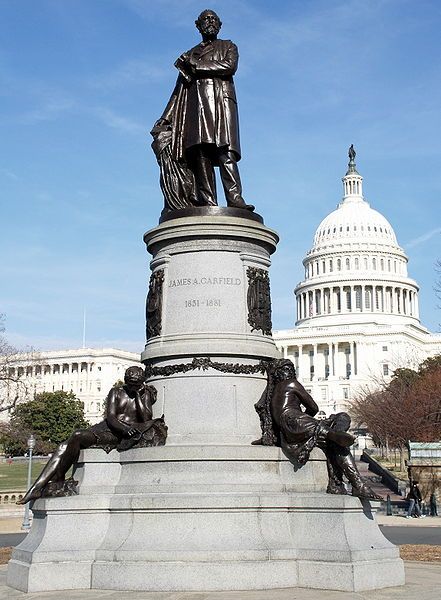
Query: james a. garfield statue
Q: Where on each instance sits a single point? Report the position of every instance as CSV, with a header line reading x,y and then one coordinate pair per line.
x,y
199,128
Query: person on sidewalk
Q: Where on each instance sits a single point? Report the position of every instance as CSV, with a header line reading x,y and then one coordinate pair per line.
x,y
414,497
433,506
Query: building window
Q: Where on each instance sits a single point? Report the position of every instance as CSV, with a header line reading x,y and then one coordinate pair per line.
x,y
99,368
358,298
324,395
326,371
347,263
29,371
56,369
38,370
384,348
356,263
386,369
367,300
348,370
348,300
323,266
345,393
65,368
338,265
47,369
83,366
74,367
374,264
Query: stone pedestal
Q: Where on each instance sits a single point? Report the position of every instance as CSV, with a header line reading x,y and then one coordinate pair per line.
x,y
208,265
208,511
202,518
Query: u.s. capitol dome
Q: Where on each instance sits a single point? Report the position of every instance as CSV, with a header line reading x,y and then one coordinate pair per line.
x,y
357,308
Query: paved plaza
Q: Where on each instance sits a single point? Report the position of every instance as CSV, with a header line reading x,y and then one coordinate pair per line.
x,y
423,582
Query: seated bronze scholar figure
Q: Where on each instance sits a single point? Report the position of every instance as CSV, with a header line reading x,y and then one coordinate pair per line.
x,y
128,423
287,413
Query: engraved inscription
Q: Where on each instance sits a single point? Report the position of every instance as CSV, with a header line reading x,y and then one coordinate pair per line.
x,y
210,302
204,281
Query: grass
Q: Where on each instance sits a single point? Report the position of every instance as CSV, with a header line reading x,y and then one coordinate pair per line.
x,y
15,475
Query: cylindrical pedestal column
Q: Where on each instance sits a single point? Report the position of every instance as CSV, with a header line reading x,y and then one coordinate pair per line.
x,y
209,298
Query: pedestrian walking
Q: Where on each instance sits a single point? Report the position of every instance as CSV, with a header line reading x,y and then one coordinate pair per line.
x,y
414,497
433,506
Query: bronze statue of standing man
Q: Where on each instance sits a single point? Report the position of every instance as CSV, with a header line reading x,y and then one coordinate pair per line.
x,y
199,128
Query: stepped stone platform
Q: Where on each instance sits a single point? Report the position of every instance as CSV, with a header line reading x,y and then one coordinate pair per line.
x,y
201,518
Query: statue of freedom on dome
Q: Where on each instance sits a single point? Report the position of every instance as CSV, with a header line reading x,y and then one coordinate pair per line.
x,y
199,128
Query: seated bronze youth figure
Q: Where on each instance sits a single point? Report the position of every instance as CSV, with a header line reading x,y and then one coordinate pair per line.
x,y
128,423
287,419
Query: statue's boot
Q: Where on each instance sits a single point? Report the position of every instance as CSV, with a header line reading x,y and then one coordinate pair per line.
x,y
49,473
359,488
335,475
239,202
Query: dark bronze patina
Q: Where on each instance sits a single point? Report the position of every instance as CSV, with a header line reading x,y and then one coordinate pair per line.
x,y
153,307
259,300
128,423
199,128
287,411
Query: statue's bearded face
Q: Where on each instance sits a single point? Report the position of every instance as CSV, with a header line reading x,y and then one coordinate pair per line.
x,y
208,23
134,376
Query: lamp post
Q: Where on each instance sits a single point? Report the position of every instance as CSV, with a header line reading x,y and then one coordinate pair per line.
x,y
26,525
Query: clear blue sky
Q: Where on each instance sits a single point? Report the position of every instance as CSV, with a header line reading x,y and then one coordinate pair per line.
x,y
82,82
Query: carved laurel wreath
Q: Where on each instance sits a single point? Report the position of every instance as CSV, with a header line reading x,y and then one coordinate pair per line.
x,y
205,363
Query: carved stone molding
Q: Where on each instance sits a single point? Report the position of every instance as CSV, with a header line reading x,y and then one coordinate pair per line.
x,y
205,363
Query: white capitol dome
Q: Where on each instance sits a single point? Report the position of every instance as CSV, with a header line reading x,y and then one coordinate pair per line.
x,y
357,309
354,219
355,265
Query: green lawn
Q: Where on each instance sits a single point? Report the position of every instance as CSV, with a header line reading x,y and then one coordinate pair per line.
x,y
15,476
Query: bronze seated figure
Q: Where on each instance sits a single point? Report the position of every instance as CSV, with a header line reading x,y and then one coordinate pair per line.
x,y
128,423
287,413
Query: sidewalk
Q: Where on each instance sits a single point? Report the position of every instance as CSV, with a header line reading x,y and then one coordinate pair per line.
x,y
12,524
401,521
423,581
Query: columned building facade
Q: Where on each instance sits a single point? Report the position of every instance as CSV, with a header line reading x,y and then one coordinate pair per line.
x,y
357,308
87,372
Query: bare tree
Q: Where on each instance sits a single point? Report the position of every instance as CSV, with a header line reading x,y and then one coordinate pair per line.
x,y
15,384
407,409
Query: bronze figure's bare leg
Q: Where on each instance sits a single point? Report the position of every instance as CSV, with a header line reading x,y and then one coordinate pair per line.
x,y
60,462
